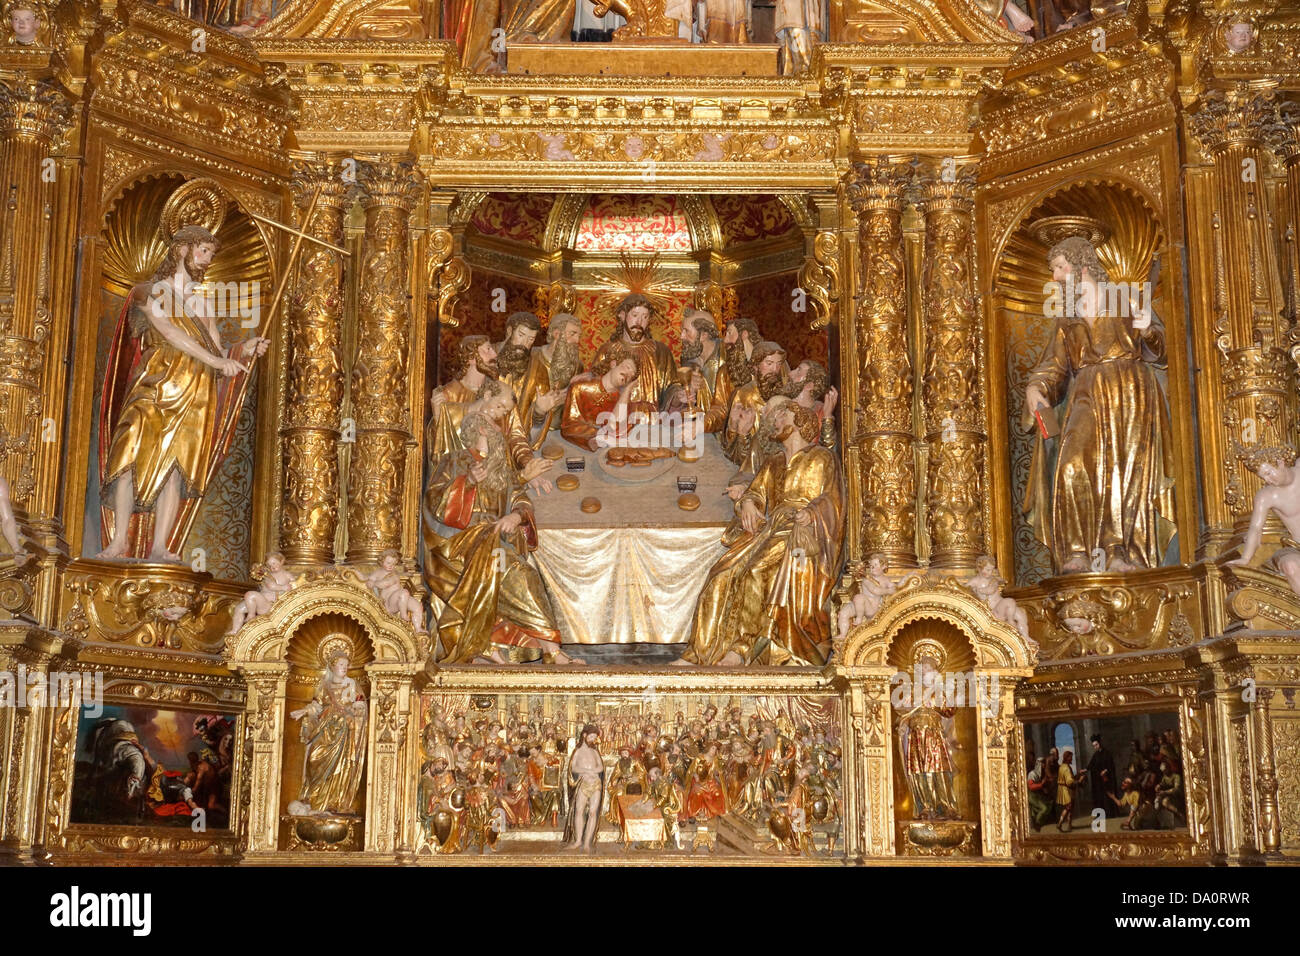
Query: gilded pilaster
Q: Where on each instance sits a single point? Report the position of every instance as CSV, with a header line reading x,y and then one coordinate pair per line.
x,y
1270,827
32,116
954,413
885,433
1231,125
381,371
309,513
1286,141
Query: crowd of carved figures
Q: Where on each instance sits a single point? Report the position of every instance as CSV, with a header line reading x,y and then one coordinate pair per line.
x,y
770,769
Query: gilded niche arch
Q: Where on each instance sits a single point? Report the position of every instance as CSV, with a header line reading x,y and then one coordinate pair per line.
x,y
994,643
266,639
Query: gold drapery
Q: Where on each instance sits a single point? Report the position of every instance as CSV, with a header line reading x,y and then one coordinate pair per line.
x,y
766,597
336,748
1112,488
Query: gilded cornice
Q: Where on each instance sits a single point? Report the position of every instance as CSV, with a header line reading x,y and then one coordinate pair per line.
x,y
151,75
1068,97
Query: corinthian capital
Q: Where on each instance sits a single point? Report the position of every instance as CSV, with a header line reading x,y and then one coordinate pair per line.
x,y
387,183
1284,131
878,184
1240,114
336,180
35,110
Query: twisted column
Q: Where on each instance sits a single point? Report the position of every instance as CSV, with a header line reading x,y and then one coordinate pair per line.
x,y
885,435
381,372
314,397
954,420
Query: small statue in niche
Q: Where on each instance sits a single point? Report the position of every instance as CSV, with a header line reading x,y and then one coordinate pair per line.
x,y
923,737
334,730
1280,494
276,581
874,586
987,585
386,583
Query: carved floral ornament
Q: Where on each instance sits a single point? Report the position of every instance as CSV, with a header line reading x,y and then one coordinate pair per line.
x,y
995,643
266,639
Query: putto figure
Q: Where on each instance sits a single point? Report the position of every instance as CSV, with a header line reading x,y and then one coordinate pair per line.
x,y
386,583
873,587
987,585
276,581
1108,504
166,435
1280,495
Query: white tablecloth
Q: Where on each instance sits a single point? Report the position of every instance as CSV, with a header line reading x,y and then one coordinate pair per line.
x,y
631,573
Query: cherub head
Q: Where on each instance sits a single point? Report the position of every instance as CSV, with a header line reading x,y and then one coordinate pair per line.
x,y
389,559
275,562
25,20
1239,36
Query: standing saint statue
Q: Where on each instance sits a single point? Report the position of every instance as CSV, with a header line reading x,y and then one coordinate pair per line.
x,y
167,432
1108,504
799,24
334,730
927,761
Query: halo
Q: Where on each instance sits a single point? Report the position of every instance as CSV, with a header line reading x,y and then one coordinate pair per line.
x,y
1052,229
931,650
334,646
199,202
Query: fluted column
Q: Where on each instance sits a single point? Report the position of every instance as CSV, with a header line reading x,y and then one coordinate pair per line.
x,y
1231,125
32,115
954,418
381,371
1286,140
885,433
314,396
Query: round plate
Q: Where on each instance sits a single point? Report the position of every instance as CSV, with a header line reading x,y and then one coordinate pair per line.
x,y
552,452
688,501
566,483
634,474
590,505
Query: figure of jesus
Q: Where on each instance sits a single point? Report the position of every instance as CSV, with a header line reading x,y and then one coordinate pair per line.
x,y
586,791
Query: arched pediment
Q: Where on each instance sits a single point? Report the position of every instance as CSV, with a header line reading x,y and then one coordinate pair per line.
x,y
995,643
266,639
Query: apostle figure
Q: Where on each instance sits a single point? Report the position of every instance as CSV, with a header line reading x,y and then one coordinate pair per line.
x,y
478,530
515,351
586,782
1111,500
810,386
1280,495
474,363
764,601
601,406
747,403
799,24
726,21
550,369
334,730
656,370
168,430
